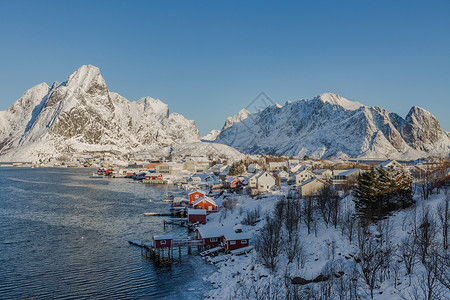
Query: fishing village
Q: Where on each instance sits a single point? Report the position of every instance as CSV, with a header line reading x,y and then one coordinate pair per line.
x,y
207,190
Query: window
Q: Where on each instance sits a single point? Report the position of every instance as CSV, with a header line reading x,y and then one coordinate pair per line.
x,y
209,207
232,242
213,240
163,242
244,242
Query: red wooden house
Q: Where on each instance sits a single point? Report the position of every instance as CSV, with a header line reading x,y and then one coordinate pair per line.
x,y
195,195
196,215
231,182
206,203
211,236
162,241
232,240
154,177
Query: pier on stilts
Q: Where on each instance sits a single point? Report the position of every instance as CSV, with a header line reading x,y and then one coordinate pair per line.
x,y
161,249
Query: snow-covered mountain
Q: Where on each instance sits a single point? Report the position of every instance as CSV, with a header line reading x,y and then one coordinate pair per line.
x,y
211,136
331,126
82,115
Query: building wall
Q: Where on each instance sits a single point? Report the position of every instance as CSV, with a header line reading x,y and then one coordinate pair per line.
x,y
238,244
197,218
311,188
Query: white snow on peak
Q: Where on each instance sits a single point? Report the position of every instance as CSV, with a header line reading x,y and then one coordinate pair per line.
x,y
211,136
239,117
338,100
84,77
154,106
278,105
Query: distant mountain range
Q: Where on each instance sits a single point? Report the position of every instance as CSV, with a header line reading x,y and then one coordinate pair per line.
x,y
81,115
331,126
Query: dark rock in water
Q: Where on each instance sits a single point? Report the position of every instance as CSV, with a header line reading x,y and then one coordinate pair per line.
x,y
320,278
300,280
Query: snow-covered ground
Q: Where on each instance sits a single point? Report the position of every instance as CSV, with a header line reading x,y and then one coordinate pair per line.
x,y
246,277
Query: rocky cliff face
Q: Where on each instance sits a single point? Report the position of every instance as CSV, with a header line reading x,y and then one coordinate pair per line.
x,y
332,126
82,115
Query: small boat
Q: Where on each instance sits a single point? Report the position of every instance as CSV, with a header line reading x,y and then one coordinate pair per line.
x,y
150,200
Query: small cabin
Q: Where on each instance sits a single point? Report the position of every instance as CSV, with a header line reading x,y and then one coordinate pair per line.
x,y
211,236
195,195
196,215
233,240
162,241
206,203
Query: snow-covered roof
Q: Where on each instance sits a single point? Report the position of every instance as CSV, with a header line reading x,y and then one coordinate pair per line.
x,y
320,171
346,172
205,198
207,232
232,236
193,211
162,237
311,180
388,163
197,191
262,173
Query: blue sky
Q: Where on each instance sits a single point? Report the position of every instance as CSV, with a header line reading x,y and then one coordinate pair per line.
x,y
209,59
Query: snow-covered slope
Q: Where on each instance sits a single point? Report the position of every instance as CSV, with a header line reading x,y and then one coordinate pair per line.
x,y
331,126
81,115
207,149
211,136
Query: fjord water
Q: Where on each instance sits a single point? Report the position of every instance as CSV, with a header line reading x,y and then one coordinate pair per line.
x,y
64,235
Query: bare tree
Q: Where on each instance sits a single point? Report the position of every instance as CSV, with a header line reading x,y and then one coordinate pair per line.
x,y
308,212
443,213
370,258
348,223
407,250
293,248
425,233
268,244
291,218
430,284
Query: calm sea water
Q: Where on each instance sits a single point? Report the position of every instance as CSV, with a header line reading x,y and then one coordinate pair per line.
x,y
64,235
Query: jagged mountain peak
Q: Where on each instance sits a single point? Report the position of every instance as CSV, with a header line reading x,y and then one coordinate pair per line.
x,y
335,99
154,106
82,115
332,126
239,117
86,77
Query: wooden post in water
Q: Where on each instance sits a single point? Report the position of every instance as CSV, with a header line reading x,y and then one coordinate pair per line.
x,y
164,224
189,249
179,252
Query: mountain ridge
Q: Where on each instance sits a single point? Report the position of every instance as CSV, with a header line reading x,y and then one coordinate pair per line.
x,y
82,115
331,126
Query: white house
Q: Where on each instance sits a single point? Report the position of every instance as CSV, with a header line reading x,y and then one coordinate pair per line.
x,y
196,163
303,176
262,181
343,177
324,174
202,178
311,187
283,175
390,165
169,168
